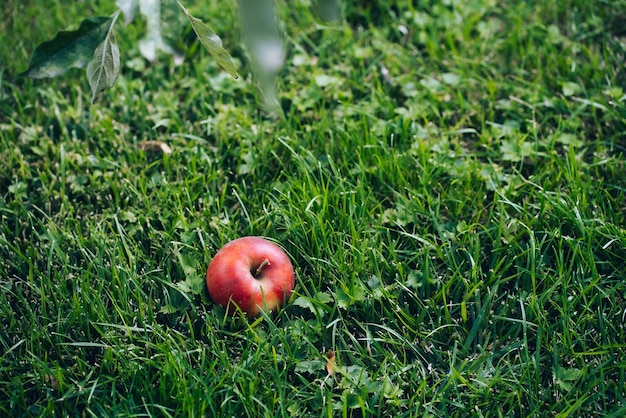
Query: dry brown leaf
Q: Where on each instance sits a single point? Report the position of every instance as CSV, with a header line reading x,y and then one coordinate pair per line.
x,y
155,146
330,364
51,381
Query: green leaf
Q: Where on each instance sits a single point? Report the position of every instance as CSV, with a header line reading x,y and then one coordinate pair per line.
x,y
356,376
565,377
309,366
18,189
513,150
323,298
347,297
68,49
316,304
324,80
212,43
569,139
168,309
104,67
564,374
193,285
570,89
194,282
304,302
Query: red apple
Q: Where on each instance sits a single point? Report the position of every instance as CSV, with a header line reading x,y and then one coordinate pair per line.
x,y
252,273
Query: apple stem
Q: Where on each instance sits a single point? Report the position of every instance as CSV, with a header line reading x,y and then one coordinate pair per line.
x,y
264,263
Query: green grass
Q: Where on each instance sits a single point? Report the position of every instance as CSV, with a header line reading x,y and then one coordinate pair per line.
x,y
457,227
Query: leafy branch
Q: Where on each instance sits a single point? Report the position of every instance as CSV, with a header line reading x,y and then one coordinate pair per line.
x,y
68,49
93,45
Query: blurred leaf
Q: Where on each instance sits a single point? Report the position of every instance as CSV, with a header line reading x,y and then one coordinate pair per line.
x,y
155,146
265,46
513,150
168,309
129,8
414,279
312,366
69,49
323,80
18,189
391,391
159,20
212,43
164,26
328,10
567,374
570,89
451,79
432,84
104,67
616,93
174,25
565,377
569,139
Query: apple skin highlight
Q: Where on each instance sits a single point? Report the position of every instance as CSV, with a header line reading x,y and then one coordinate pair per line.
x,y
251,273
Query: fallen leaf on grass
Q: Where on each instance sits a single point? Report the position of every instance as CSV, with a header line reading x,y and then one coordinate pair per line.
x,y
330,365
155,146
51,381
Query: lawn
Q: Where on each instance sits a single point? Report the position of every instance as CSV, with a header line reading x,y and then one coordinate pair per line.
x,y
448,179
